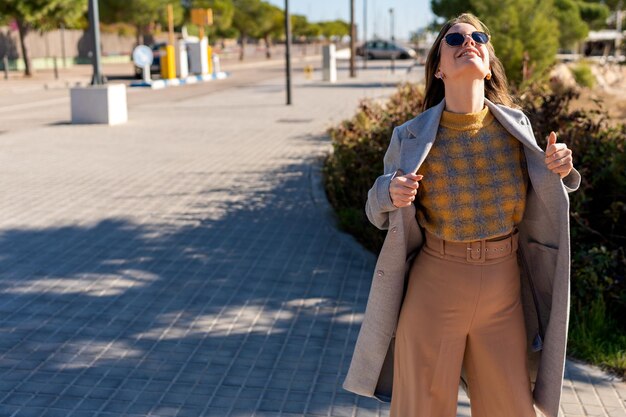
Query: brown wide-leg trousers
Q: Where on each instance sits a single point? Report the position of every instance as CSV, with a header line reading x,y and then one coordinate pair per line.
x,y
460,313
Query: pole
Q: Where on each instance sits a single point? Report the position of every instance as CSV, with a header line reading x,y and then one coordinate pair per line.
x,y
5,59
288,50
364,34
352,43
5,63
391,22
618,27
393,38
94,28
170,24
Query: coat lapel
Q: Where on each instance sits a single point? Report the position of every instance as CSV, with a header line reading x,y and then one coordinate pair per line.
x,y
423,130
542,179
515,124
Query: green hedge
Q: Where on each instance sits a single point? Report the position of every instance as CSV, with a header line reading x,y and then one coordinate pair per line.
x,y
598,208
583,75
357,159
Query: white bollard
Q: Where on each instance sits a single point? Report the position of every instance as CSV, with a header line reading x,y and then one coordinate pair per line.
x,y
215,58
329,63
182,62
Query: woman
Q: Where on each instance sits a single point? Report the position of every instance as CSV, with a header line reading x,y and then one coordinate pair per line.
x,y
472,282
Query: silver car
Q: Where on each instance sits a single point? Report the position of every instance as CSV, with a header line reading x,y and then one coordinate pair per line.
x,y
381,49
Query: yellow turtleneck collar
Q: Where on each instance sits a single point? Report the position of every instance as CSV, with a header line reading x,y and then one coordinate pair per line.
x,y
466,121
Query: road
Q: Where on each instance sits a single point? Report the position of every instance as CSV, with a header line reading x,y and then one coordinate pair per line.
x,y
44,101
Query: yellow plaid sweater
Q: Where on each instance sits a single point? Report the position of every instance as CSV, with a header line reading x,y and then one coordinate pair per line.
x,y
475,179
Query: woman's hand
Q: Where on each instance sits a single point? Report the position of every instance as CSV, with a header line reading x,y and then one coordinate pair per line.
x,y
403,189
558,157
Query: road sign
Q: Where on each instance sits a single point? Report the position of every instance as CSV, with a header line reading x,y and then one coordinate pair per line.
x,y
202,17
142,56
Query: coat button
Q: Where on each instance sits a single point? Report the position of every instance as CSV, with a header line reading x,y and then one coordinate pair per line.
x,y
380,273
394,229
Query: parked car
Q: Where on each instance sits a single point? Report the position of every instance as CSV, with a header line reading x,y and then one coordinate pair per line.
x,y
155,67
382,49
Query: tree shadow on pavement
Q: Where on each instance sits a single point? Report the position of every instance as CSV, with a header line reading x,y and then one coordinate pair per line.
x,y
252,308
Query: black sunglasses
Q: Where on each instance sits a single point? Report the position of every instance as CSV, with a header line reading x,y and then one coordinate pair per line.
x,y
457,39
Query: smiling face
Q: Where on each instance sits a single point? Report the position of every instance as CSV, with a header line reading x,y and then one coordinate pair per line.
x,y
468,61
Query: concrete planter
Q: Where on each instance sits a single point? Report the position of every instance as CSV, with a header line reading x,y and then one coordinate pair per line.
x,y
103,104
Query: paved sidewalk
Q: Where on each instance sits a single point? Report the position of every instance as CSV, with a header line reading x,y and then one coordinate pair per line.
x,y
187,264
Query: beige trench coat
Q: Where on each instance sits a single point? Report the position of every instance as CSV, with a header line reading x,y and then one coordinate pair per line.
x,y
544,258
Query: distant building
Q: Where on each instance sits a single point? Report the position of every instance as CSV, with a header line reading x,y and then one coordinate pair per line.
x,y
604,43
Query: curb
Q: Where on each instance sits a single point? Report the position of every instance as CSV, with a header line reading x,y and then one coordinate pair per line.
x,y
320,200
174,82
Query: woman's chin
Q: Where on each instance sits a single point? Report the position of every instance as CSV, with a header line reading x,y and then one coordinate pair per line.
x,y
468,76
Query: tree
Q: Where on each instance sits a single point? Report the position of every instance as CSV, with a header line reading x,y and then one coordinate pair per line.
x,y
609,4
571,24
246,21
334,28
142,14
271,25
299,24
41,15
312,31
524,32
595,14
451,8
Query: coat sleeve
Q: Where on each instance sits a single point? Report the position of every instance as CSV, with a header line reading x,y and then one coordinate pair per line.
x,y
572,181
379,203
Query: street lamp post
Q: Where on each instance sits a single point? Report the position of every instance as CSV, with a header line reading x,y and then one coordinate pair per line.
x,y
393,38
288,50
94,27
364,34
352,44
391,23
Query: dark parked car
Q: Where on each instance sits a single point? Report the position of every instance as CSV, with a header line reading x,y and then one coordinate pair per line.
x,y
155,67
381,49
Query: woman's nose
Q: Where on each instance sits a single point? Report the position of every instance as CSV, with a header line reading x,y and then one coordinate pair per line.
x,y
468,40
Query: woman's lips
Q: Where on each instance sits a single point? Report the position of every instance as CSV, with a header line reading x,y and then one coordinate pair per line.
x,y
468,52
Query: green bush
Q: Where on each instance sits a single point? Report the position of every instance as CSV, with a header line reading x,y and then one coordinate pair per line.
x,y
583,75
357,159
598,208
598,218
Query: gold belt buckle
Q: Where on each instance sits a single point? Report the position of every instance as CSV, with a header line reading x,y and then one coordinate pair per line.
x,y
472,251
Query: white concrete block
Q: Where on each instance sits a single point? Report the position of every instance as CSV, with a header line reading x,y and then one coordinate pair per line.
x,y
329,63
105,104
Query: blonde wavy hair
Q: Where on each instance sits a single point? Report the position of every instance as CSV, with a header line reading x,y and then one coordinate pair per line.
x,y
496,89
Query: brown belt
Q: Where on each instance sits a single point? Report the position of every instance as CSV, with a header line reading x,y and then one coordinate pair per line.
x,y
476,251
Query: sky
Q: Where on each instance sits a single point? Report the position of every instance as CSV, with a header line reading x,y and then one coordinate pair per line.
x,y
409,15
